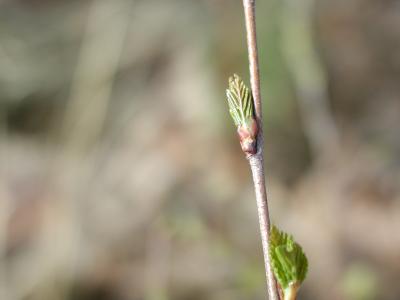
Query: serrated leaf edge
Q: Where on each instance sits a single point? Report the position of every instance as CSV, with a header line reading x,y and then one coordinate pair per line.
x,y
279,239
240,100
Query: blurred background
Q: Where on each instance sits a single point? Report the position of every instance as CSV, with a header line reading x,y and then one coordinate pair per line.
x,y
121,174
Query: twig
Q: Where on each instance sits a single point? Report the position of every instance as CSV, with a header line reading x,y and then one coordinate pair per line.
x,y
257,160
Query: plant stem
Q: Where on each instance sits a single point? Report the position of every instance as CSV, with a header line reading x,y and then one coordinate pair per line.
x,y
291,292
256,160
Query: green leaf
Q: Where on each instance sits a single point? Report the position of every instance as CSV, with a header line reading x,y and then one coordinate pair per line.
x,y
240,101
288,260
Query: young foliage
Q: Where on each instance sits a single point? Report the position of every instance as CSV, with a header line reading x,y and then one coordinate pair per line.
x,y
289,262
240,102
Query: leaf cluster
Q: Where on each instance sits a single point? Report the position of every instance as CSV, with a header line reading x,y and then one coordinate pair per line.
x,y
240,100
288,260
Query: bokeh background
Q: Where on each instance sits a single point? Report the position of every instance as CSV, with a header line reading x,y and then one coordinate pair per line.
x,y
121,174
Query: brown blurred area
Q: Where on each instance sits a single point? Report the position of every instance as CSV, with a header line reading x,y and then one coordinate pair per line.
x,y
121,177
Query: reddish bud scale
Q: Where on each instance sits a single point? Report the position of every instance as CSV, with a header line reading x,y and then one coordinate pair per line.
x,y
248,136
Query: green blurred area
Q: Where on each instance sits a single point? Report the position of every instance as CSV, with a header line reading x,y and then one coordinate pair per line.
x,y
121,176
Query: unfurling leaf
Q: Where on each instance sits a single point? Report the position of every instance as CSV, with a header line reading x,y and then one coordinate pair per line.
x,y
240,102
289,262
